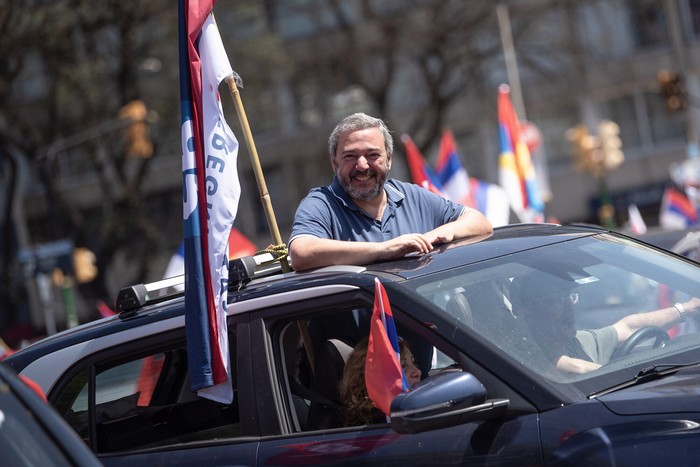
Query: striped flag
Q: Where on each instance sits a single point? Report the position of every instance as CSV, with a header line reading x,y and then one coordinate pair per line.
x,y
210,194
515,170
384,377
450,171
677,210
421,173
490,199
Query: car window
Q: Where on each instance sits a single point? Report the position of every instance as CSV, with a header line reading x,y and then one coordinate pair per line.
x,y
23,441
313,391
142,402
312,353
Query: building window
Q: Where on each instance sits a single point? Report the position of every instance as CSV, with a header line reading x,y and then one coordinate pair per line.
x,y
693,16
144,401
553,126
665,126
622,111
647,22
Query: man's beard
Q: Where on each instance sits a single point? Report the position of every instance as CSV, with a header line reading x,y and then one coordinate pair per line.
x,y
363,194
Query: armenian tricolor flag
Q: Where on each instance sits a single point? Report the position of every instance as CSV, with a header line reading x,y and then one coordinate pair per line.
x,y
516,172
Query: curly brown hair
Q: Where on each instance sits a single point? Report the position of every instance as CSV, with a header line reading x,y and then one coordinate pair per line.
x,y
358,409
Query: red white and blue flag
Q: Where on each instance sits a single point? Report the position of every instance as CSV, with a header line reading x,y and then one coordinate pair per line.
x,y
516,172
211,191
384,377
450,171
490,199
421,173
677,210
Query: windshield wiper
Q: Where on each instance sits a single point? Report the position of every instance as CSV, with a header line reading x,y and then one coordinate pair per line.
x,y
645,375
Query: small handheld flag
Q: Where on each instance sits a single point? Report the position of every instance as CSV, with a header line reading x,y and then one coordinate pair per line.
x,y
384,377
636,222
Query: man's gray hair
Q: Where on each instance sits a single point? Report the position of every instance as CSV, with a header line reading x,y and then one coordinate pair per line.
x,y
356,122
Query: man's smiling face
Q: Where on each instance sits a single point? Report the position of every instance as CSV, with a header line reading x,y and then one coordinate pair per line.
x,y
361,163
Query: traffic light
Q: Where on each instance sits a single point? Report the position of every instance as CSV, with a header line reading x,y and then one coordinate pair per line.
x,y
586,149
672,88
84,266
138,133
610,144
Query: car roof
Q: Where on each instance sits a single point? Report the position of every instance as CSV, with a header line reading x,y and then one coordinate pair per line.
x,y
667,238
503,241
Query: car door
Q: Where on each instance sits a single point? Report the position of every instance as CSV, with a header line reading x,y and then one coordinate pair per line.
x,y
293,432
132,405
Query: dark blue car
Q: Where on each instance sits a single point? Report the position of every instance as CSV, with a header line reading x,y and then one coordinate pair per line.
x,y
538,345
31,433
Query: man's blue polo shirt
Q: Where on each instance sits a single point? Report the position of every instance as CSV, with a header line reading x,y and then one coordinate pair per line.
x,y
328,212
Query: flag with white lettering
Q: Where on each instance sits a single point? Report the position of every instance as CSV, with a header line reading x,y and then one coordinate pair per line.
x,y
211,191
238,246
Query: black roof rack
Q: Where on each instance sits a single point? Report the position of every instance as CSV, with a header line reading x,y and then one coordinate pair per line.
x,y
241,272
134,297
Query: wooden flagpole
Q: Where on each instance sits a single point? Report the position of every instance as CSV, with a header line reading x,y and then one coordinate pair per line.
x,y
232,81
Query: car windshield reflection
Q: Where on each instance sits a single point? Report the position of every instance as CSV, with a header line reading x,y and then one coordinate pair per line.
x,y
587,310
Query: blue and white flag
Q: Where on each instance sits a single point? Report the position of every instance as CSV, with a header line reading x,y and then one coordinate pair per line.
x,y
211,191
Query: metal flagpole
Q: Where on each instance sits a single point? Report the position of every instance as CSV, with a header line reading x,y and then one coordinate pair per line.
x,y
539,159
511,62
233,82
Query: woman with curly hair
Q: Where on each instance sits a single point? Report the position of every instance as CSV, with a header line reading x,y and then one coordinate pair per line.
x,y
358,409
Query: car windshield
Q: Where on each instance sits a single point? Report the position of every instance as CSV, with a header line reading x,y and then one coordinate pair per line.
x,y
568,299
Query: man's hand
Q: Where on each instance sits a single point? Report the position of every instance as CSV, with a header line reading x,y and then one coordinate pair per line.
x,y
471,223
663,318
403,245
575,365
692,306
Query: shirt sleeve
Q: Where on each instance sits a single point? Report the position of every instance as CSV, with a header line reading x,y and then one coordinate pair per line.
x,y
313,218
599,344
442,209
446,210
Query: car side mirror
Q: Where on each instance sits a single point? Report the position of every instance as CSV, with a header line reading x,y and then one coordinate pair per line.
x,y
444,400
